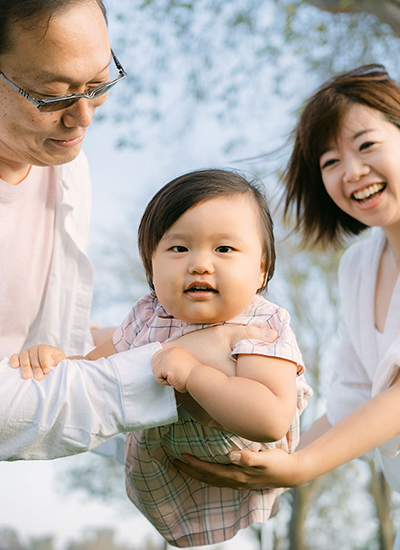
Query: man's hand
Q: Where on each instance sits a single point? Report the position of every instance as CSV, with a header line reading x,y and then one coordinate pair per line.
x,y
37,361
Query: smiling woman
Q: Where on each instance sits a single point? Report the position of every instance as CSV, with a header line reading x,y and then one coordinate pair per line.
x,y
343,177
357,167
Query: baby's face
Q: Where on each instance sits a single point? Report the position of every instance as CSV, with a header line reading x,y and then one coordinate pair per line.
x,y
209,263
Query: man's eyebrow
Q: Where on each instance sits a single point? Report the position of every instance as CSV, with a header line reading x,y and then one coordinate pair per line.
x,y
46,76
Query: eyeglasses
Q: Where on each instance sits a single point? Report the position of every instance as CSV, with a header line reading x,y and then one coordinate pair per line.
x,y
52,104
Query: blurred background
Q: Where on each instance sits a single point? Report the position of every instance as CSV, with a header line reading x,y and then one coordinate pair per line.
x,y
212,83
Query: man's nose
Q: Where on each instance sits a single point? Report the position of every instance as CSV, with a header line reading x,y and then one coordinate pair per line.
x,y
80,114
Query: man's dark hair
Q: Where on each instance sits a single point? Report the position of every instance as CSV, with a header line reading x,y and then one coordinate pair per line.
x,y
185,192
32,11
318,218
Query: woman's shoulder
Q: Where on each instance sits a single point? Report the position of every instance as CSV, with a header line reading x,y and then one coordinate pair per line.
x,y
353,258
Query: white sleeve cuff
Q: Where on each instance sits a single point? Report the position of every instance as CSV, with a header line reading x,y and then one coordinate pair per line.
x,y
146,403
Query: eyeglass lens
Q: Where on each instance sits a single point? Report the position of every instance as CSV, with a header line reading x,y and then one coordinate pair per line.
x,y
65,103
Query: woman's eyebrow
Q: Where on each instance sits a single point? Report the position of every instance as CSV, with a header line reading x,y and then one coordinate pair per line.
x,y
361,132
354,137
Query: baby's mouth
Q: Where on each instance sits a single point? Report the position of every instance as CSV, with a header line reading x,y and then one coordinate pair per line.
x,y
199,288
369,193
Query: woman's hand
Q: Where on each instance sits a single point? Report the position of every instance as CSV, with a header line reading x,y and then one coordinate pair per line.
x,y
249,470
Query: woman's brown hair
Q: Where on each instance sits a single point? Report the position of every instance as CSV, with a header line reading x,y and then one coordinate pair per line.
x,y
316,215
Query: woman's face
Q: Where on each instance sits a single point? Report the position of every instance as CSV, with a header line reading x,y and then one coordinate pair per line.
x,y
361,170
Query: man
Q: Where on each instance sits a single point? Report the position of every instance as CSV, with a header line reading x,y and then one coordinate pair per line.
x,y
48,49
55,70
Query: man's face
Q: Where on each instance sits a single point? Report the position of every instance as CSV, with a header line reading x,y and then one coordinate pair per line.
x,y
70,54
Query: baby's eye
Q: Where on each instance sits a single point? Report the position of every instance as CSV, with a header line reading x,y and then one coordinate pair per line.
x,y
366,145
224,249
179,248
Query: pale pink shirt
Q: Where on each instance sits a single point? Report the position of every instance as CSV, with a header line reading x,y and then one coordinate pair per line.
x,y
27,214
185,511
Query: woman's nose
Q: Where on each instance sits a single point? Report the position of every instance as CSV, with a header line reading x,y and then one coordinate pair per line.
x,y
355,169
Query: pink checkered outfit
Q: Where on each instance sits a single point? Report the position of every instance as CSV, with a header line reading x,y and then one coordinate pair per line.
x,y
185,511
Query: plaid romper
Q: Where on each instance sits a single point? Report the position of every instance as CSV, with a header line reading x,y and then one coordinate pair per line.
x,y
185,511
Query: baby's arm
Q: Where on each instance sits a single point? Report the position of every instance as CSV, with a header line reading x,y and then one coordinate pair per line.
x,y
38,360
258,403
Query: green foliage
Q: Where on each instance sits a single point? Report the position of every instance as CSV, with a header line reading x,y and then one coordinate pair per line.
x,y
223,55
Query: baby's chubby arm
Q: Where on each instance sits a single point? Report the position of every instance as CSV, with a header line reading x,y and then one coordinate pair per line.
x,y
38,360
258,403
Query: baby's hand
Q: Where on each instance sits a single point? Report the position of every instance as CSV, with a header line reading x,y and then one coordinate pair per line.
x,y
172,367
37,360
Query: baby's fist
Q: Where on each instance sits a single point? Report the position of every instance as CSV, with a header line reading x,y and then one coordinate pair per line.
x,y
172,367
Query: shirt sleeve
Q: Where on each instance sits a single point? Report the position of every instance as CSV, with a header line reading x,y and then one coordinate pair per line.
x,y
284,347
125,335
80,404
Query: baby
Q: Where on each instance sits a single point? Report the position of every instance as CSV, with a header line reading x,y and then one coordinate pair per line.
x,y
207,245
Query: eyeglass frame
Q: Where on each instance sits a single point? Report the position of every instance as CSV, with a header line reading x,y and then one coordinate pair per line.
x,y
96,92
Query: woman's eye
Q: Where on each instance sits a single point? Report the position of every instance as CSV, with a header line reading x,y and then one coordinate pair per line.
x,y
366,145
328,163
178,248
224,249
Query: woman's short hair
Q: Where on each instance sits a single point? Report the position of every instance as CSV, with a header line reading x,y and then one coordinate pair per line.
x,y
14,11
316,215
188,190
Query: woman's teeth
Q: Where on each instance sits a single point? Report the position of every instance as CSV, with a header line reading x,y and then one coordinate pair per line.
x,y
369,191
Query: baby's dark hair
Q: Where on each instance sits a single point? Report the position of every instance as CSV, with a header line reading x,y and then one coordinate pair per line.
x,y
188,190
317,217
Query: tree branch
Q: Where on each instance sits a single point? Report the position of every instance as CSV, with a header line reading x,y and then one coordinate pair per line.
x,y
387,11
